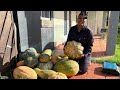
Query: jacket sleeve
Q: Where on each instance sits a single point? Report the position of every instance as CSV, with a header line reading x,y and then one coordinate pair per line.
x,y
69,38
89,44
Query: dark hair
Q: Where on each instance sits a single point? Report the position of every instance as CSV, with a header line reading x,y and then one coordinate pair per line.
x,y
84,14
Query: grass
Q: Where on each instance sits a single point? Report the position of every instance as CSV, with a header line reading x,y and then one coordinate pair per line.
x,y
115,58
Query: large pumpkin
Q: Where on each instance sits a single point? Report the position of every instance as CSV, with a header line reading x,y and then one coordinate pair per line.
x,y
44,58
73,49
44,74
45,66
58,75
31,62
68,67
48,51
24,72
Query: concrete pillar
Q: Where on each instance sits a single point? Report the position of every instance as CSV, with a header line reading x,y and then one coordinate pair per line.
x,y
112,32
29,29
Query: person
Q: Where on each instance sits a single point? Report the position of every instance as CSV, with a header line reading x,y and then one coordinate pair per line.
x,y
82,34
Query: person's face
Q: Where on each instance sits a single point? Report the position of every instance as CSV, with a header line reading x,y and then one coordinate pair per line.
x,y
80,20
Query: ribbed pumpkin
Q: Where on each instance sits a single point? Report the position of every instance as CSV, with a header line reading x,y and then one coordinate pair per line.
x,y
58,75
24,72
73,50
68,67
44,58
31,62
44,74
45,66
48,51
20,63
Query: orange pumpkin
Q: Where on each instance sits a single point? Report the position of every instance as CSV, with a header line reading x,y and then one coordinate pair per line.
x,y
20,63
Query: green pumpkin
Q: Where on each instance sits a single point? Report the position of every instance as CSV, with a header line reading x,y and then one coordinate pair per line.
x,y
68,67
31,62
44,58
45,66
30,52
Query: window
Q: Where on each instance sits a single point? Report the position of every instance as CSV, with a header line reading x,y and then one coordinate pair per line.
x,y
47,14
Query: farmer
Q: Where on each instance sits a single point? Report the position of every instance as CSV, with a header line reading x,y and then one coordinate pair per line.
x,y
82,34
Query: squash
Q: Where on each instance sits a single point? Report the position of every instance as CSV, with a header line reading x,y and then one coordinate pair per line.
x,y
31,62
48,51
58,75
45,66
20,63
56,58
73,49
44,58
30,52
68,67
44,74
24,72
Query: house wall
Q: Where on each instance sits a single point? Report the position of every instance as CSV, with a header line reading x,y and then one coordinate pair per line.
x,y
59,36
34,32
91,21
58,27
73,18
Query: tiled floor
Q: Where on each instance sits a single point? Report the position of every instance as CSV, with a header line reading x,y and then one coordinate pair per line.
x,y
99,47
95,72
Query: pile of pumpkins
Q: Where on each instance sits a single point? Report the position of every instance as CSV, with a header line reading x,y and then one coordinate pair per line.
x,y
46,65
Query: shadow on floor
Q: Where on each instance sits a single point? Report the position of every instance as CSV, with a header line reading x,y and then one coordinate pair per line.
x,y
98,71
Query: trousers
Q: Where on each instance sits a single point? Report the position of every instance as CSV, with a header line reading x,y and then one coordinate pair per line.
x,y
84,63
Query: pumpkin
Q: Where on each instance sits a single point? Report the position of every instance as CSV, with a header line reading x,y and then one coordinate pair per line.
x,y
31,62
38,55
48,51
20,63
55,58
73,50
45,66
68,67
24,72
44,74
30,52
58,75
44,58
58,52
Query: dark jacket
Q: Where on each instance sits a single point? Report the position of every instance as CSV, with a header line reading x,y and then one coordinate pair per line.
x,y
85,37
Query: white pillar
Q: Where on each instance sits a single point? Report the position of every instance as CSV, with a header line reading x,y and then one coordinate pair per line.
x,y
112,32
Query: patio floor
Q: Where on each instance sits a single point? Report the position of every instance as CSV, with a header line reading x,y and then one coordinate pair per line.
x,y
94,72
99,47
